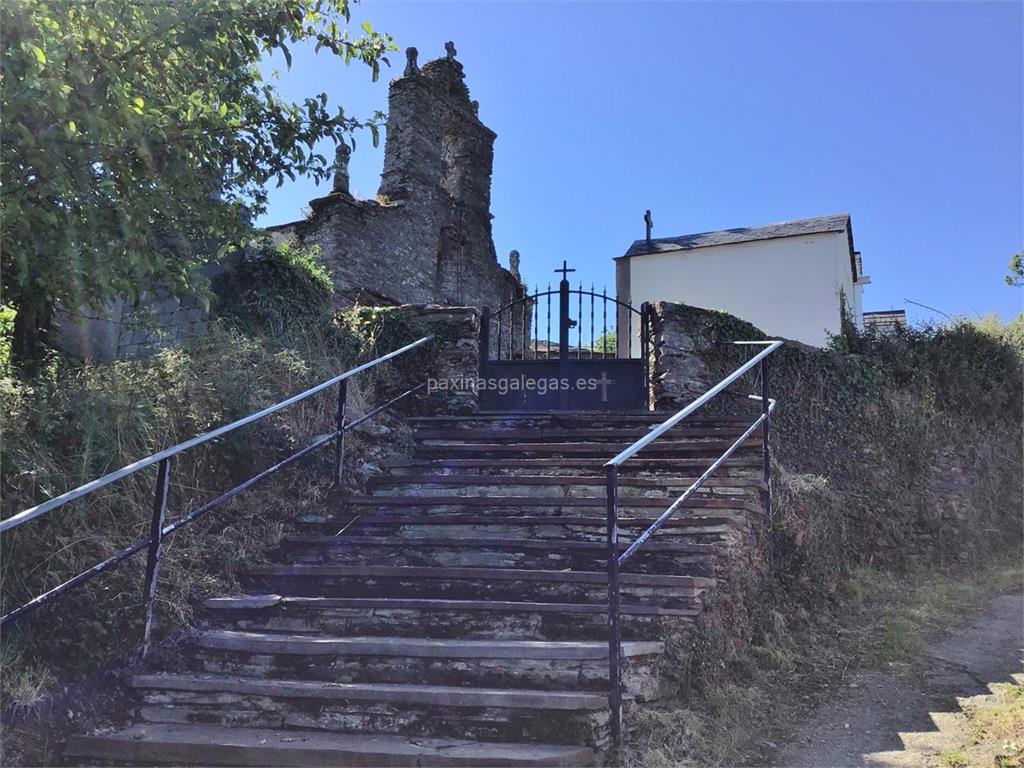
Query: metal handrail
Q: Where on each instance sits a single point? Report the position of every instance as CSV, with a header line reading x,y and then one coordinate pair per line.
x,y
666,425
616,560
158,529
64,498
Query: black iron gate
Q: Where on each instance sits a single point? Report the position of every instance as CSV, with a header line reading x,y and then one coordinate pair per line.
x,y
523,369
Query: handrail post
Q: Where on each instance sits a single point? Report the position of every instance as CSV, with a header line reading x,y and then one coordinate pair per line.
x,y
339,441
765,432
766,460
614,669
156,535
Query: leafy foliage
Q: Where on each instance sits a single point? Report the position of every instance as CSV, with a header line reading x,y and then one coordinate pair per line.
x,y
605,343
6,332
1015,275
135,134
275,288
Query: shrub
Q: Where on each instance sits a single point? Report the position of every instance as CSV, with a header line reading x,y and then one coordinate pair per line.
x,y
6,336
275,289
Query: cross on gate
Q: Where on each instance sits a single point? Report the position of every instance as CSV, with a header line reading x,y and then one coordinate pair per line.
x,y
565,270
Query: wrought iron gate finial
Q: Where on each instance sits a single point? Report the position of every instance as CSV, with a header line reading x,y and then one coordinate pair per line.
x,y
565,270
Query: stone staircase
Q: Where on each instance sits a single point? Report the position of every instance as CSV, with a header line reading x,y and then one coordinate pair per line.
x,y
456,614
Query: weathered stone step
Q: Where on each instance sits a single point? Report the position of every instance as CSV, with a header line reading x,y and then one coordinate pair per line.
x,y
639,463
625,503
477,485
660,448
664,556
556,484
514,544
558,434
437,695
412,647
694,528
492,714
337,580
425,617
154,744
569,419
530,664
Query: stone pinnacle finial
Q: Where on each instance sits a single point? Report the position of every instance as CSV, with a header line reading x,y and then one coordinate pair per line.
x,y
411,67
449,50
513,264
341,156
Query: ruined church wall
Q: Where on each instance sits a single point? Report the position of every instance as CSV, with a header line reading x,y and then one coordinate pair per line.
x,y
427,237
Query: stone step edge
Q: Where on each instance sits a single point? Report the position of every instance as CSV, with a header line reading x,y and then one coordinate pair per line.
x,y
561,480
453,542
265,602
695,502
680,521
696,583
665,446
151,743
408,647
584,434
636,463
396,693
656,417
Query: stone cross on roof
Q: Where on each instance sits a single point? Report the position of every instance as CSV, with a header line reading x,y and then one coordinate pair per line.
x,y
649,222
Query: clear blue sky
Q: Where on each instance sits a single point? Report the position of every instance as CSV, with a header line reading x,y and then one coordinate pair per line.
x,y
719,115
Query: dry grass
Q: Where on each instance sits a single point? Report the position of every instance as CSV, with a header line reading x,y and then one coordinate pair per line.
x,y
72,423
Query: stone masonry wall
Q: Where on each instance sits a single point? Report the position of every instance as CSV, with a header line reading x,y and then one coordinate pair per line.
x,y
682,338
427,236
455,358
125,330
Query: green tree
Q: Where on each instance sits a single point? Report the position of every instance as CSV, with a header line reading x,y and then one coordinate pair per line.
x,y
1015,276
605,343
135,134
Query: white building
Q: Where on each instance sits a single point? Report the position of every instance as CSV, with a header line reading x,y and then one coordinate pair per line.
x,y
789,279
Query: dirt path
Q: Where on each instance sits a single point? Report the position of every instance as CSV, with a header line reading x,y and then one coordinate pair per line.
x,y
868,715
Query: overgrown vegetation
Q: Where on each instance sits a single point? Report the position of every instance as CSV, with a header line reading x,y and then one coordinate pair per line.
x,y
137,134
898,475
72,422
741,710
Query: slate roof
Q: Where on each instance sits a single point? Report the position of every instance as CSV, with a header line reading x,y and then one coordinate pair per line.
x,y
839,222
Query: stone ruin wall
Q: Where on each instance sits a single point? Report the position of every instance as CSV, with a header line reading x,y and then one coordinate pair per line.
x,y
426,238
124,329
